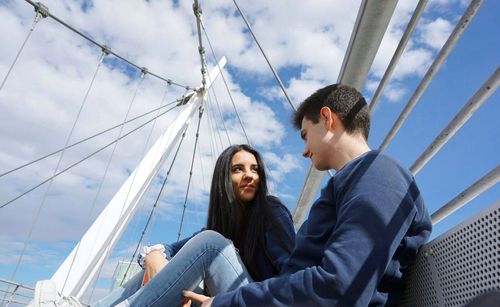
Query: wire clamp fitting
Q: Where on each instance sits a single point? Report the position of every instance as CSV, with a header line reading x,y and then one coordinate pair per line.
x,y
185,99
41,9
197,9
106,50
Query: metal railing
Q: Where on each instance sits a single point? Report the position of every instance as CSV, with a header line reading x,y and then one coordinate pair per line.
x,y
15,294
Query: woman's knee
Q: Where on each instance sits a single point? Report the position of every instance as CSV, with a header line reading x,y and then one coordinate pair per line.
x,y
212,238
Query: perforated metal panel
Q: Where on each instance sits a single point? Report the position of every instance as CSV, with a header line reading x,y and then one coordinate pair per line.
x,y
459,265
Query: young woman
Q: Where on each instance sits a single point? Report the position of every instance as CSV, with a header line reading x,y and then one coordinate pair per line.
x,y
248,236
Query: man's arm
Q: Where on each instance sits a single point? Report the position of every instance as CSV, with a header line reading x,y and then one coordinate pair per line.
x,y
355,257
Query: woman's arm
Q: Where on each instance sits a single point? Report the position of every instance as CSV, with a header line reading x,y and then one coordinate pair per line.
x,y
155,260
280,233
153,263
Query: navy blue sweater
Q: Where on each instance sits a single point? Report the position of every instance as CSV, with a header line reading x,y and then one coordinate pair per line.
x,y
276,246
362,232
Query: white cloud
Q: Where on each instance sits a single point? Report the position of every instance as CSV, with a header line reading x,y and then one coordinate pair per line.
x,y
413,62
45,90
9,249
416,58
435,33
393,92
371,85
279,166
391,38
302,88
446,3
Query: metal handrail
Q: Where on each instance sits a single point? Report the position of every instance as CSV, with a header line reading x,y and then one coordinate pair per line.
x,y
399,51
369,29
488,180
476,101
469,13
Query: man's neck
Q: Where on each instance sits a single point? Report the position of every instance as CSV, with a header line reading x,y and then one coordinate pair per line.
x,y
350,148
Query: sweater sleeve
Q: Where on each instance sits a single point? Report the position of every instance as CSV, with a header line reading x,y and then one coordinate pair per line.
x,y
364,238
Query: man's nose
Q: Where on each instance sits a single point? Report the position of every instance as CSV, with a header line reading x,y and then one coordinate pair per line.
x,y
306,153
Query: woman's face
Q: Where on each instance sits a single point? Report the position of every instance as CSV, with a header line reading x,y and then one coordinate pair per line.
x,y
244,176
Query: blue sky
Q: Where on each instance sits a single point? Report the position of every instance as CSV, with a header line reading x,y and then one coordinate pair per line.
x,y
306,44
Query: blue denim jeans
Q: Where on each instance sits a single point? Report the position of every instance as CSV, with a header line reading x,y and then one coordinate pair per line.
x,y
207,257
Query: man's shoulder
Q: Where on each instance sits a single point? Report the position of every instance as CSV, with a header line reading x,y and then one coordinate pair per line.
x,y
377,161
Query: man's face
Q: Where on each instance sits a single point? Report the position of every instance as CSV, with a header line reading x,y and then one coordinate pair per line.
x,y
316,138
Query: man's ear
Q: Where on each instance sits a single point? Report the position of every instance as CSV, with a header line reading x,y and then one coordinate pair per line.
x,y
328,117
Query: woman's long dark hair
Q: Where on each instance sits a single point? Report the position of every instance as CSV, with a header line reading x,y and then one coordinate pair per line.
x,y
241,223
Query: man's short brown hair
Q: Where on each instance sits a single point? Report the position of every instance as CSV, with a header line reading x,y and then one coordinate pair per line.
x,y
343,100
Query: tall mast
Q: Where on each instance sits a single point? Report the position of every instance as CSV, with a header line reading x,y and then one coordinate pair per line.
x,y
83,263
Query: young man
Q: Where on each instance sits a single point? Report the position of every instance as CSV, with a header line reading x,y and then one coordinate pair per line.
x,y
363,230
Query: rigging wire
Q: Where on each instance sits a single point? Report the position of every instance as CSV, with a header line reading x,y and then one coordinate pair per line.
x,y
225,83
94,202
227,87
190,171
102,46
40,13
135,225
109,247
276,76
87,138
212,142
212,160
198,218
231,97
201,49
197,12
268,171
135,174
126,198
155,205
211,128
13,293
85,158
215,122
200,156
219,111
44,198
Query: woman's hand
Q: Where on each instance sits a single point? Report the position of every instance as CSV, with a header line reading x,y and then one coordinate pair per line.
x,y
206,301
153,263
